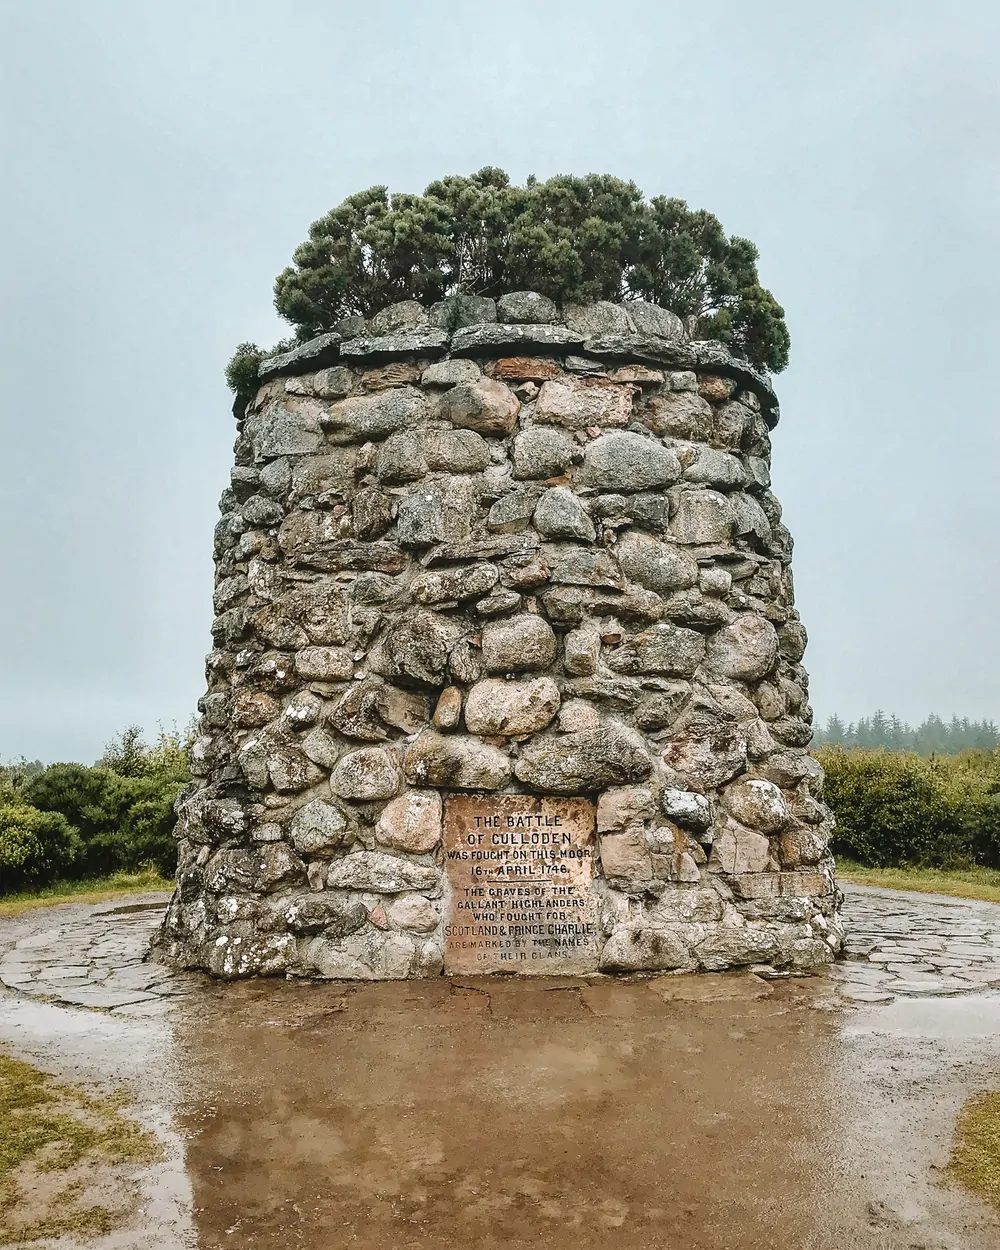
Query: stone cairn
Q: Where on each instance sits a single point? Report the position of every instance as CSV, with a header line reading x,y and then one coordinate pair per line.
x,y
522,556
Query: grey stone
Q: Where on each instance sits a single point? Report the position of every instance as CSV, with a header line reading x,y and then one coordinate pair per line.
x,y
679,414
291,771
577,403
335,383
364,775
703,517
737,850
577,714
332,471
486,406
560,514
376,416
705,761
313,539
518,644
408,315
666,649
642,947
792,640
318,827
715,581
649,349
583,566
306,358
322,748
518,307
541,451
603,317
686,808
276,477
482,547
758,804
758,473
260,512
380,873
456,451
716,468
456,311
291,429
455,762
582,763
582,650
622,461
333,913
411,822
650,510
652,319
435,512
727,946
464,581
660,710
750,517
499,603
746,650
324,664
350,327
417,647
584,365
446,373
401,458
385,347
371,513
658,566
495,706
512,512
414,911
498,340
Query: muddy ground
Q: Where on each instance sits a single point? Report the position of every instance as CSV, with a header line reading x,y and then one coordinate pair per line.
x,y
705,1113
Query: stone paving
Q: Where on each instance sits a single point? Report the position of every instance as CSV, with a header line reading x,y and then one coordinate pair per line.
x,y
904,944
95,959
899,944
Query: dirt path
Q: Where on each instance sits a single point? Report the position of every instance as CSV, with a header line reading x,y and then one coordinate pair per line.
x,y
706,1113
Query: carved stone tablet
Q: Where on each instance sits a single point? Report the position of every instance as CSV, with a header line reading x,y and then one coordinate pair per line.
x,y
520,877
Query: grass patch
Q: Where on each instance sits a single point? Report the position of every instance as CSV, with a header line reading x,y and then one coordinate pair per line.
x,y
94,890
975,1158
981,883
53,1138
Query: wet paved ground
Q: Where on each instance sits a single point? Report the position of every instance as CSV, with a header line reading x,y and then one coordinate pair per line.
x,y
898,944
710,1113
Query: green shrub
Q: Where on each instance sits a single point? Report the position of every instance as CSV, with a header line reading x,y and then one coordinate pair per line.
x,y
121,808
895,808
35,847
241,372
571,238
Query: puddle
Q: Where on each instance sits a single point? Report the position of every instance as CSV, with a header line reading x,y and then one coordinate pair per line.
x,y
715,1113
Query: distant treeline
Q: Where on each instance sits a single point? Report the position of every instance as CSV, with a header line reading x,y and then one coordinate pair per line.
x,y
935,736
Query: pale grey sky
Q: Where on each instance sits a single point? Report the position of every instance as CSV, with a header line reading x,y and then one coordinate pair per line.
x,y
161,161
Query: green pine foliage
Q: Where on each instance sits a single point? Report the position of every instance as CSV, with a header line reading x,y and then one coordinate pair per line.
x,y
71,821
572,238
934,736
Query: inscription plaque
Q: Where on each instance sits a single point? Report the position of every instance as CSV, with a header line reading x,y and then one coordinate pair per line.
x,y
520,876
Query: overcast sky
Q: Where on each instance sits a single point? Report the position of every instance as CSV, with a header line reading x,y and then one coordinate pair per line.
x,y
162,159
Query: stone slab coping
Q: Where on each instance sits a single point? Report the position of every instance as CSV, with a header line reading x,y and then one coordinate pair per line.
x,y
498,339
